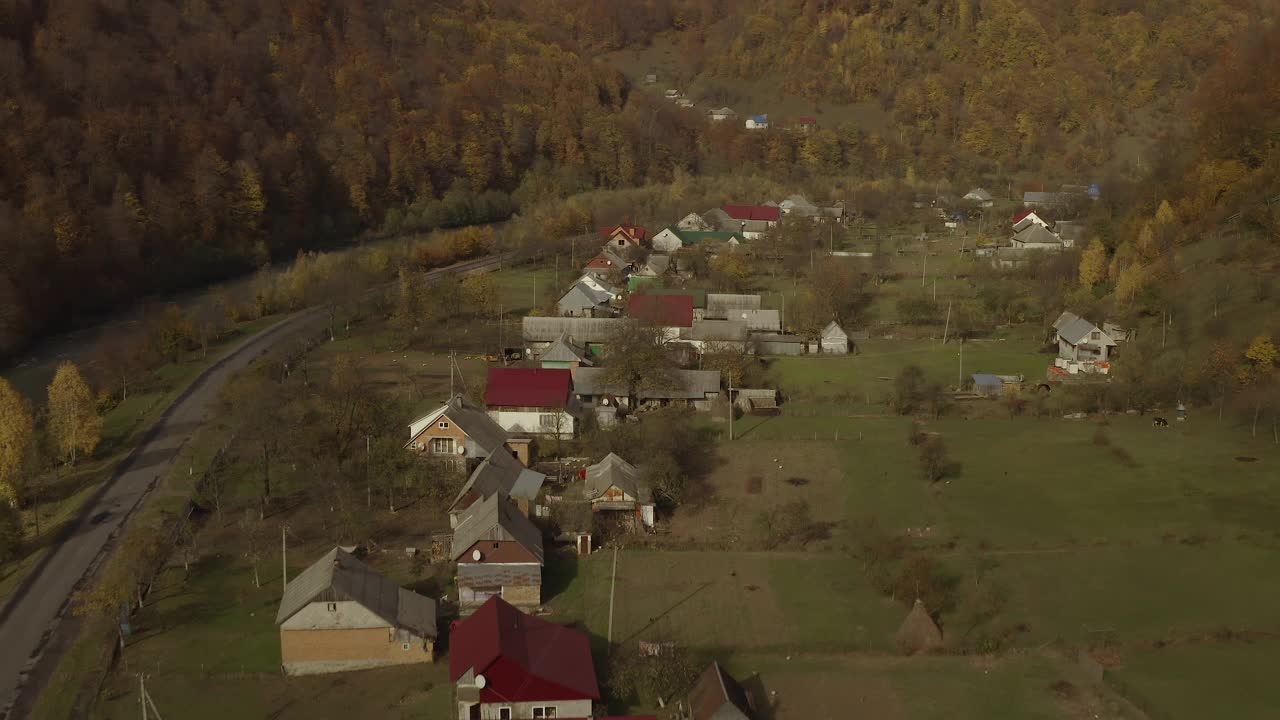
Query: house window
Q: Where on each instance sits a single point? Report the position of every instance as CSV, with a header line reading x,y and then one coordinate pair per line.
x,y
504,713
544,712
331,607
404,646
442,446
548,422
1095,335
444,425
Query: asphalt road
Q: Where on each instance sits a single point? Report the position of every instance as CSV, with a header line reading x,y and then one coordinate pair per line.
x,y
28,617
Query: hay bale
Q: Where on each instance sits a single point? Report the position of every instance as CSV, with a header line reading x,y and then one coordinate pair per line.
x,y
918,632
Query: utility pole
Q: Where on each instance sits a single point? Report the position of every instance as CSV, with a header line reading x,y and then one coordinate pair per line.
x,y
142,694
368,476
960,379
946,327
935,290
924,265
731,413
284,563
450,374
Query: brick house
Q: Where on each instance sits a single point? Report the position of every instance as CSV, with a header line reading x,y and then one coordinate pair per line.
x,y
620,237
532,400
499,554
506,665
458,431
340,614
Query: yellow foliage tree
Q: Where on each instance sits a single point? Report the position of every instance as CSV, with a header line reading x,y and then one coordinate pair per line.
x,y
17,438
1131,281
1093,264
74,422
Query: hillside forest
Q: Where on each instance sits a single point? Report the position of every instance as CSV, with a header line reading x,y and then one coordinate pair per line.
x,y
156,146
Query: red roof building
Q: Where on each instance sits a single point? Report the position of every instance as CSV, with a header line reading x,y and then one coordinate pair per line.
x,y
528,387
633,232
753,212
1018,218
499,657
807,120
662,310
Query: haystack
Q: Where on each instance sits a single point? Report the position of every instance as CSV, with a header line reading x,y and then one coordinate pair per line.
x,y
918,632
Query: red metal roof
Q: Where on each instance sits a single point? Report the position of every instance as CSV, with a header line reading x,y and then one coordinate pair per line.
x,y
807,120
753,212
664,310
1018,218
522,658
528,387
635,231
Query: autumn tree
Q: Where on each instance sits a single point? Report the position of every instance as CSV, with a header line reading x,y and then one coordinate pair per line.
x,y
17,441
74,423
1257,373
637,359
1093,264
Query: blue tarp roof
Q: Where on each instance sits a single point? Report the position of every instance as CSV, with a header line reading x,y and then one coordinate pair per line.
x,y
986,379
760,118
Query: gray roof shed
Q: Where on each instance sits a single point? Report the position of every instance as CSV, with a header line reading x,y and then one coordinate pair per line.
x,y
613,470
495,518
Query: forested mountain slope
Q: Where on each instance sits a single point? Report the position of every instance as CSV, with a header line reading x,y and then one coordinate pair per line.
x,y
156,145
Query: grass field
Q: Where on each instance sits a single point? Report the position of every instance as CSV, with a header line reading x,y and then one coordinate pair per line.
x,y
777,600
1201,680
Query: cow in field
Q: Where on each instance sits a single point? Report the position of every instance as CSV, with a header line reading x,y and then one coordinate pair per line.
x,y
1159,422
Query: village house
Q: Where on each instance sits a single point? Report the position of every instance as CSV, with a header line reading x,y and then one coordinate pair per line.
x,y
1026,219
756,401
692,388
506,665
615,486
1046,199
1072,232
805,124
717,696
718,219
620,237
458,432
538,333
980,197
1082,346
340,614
589,297
1036,237
498,474
987,385
800,206
834,339
722,113
755,220
716,336
532,400
670,312
564,354
694,222
671,239
499,554
607,264
757,122
654,266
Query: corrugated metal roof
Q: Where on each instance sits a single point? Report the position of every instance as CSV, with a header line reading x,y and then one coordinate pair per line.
x,y
587,330
613,470
527,387
495,518
716,331
501,474
1080,330
833,331
564,350
987,380
722,306
340,577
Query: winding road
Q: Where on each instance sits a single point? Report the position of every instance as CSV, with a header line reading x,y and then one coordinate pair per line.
x,y
30,616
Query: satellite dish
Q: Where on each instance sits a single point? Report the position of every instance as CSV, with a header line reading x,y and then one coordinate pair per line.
x,y
462,449
481,682
476,555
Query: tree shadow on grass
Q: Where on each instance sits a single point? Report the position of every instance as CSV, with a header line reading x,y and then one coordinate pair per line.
x,y
560,572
